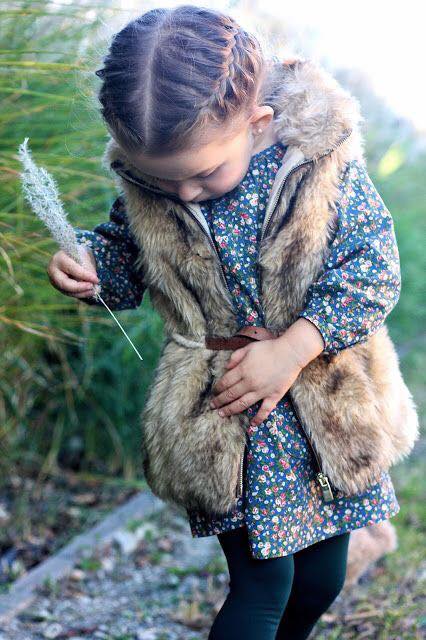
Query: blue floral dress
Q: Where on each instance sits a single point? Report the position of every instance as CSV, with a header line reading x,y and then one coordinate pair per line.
x,y
282,505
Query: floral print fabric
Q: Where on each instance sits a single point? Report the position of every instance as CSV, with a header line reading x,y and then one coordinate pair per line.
x,y
282,504
361,282
115,253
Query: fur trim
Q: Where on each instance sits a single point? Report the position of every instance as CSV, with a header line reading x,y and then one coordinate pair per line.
x,y
312,110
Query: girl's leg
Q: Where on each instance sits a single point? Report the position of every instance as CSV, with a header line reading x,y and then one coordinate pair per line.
x,y
259,590
319,575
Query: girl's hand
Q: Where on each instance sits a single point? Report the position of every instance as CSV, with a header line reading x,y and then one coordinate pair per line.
x,y
71,278
262,370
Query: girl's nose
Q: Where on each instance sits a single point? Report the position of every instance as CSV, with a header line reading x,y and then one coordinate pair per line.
x,y
188,192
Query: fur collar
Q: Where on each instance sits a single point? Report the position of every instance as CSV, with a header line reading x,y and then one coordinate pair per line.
x,y
313,113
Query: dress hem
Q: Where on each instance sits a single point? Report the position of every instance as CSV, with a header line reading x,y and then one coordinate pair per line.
x,y
342,529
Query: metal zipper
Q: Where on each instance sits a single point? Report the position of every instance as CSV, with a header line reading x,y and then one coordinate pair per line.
x,y
322,479
272,208
277,197
239,487
320,475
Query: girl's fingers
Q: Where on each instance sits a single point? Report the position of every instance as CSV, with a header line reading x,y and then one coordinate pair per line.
x,y
265,409
71,278
84,294
239,405
231,377
61,281
72,268
230,394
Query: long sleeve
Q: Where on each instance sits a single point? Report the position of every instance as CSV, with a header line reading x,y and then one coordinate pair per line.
x,y
115,252
361,281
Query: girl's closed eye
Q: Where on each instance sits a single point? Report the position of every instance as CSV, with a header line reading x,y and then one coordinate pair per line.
x,y
211,183
211,173
202,176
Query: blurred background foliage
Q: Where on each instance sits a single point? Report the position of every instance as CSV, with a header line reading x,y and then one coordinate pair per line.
x,y
71,387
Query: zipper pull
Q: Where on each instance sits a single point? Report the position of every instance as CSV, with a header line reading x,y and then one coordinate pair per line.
x,y
325,487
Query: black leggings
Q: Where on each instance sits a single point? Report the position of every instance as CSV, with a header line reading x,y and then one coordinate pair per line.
x,y
278,598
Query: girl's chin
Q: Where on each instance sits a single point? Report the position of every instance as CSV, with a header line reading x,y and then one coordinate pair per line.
x,y
204,198
213,196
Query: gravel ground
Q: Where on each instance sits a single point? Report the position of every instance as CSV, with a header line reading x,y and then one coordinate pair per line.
x,y
154,582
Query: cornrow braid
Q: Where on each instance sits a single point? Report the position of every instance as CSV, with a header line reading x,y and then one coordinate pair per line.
x,y
172,74
228,87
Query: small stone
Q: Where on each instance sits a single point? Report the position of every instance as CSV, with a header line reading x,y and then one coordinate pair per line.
x,y
147,634
165,544
17,568
83,599
173,580
15,481
53,631
77,575
4,515
35,615
126,541
107,564
74,512
85,498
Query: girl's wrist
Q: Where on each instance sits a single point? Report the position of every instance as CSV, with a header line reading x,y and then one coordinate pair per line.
x,y
304,339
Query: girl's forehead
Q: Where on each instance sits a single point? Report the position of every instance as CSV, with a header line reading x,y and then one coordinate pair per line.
x,y
192,162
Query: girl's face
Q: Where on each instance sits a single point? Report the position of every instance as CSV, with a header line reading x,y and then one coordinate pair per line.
x,y
213,169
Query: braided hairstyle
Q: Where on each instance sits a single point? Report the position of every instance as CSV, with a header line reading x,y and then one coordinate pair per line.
x,y
171,75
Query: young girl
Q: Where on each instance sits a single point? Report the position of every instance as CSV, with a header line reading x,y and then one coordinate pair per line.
x,y
199,120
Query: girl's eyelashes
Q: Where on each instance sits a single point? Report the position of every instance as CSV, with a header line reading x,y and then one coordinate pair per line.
x,y
209,174
200,176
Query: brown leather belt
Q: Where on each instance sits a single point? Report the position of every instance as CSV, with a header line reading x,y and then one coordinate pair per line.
x,y
244,336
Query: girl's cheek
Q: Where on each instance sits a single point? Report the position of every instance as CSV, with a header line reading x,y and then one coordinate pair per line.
x,y
224,185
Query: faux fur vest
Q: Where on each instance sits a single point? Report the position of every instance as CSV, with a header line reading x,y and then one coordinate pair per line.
x,y
354,405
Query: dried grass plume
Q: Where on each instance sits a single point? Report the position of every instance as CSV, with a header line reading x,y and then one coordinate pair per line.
x,y
42,194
